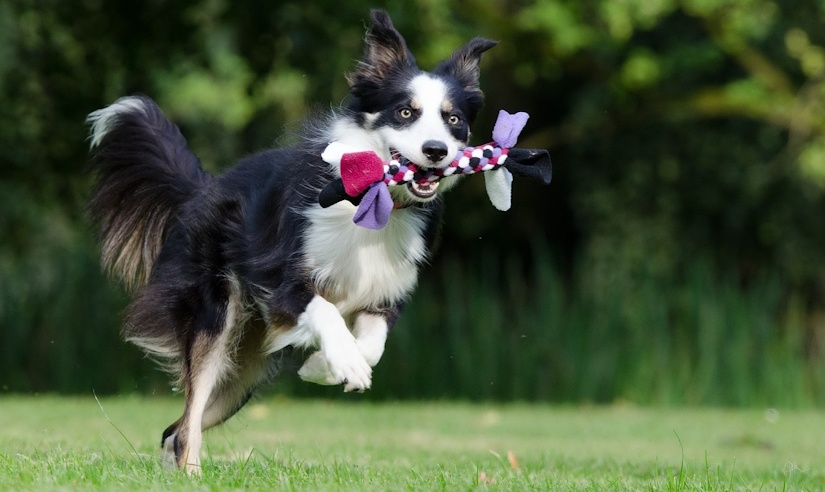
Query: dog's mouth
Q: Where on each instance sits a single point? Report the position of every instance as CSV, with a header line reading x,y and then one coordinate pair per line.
x,y
421,191
424,191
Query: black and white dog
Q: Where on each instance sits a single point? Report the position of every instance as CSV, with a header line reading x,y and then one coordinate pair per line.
x,y
232,269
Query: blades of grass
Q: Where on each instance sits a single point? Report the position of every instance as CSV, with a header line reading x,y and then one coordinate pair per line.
x,y
106,416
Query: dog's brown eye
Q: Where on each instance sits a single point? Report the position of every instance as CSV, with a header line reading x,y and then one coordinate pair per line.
x,y
405,113
454,119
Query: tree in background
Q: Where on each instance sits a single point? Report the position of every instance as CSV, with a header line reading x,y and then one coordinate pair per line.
x,y
680,244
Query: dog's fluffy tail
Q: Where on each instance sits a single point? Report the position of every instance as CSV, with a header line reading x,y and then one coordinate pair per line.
x,y
145,172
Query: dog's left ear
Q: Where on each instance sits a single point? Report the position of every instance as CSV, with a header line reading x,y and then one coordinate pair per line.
x,y
463,64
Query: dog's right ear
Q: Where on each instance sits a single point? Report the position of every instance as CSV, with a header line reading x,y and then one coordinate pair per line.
x,y
384,52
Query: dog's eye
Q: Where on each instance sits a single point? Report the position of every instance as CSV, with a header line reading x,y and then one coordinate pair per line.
x,y
454,119
405,113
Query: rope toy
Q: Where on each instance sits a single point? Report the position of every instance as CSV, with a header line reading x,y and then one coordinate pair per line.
x,y
365,178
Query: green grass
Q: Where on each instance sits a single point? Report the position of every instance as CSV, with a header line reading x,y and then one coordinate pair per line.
x,y
50,442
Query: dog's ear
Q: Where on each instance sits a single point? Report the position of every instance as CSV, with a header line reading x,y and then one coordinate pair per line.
x,y
385,50
463,64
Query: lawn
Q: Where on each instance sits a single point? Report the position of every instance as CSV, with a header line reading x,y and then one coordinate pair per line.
x,y
50,442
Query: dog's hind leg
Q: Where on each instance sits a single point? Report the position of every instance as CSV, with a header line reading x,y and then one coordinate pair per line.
x,y
250,367
207,361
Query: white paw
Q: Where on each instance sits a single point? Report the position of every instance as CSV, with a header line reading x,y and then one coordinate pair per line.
x,y
347,365
316,370
168,460
342,364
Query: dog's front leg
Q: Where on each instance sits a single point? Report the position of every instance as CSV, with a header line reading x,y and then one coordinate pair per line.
x,y
370,333
339,359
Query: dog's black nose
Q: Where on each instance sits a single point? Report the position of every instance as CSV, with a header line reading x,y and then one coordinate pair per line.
x,y
434,150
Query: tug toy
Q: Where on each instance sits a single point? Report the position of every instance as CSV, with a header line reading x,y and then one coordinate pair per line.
x,y
365,178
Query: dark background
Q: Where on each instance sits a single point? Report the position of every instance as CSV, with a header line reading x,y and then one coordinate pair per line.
x,y
677,258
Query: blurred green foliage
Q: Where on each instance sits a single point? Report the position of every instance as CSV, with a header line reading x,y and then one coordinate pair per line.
x,y
682,247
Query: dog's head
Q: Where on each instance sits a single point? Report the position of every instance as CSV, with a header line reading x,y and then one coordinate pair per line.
x,y
423,116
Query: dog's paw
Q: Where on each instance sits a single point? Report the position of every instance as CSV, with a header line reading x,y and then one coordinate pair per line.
x,y
359,388
348,366
168,459
340,364
316,370
357,377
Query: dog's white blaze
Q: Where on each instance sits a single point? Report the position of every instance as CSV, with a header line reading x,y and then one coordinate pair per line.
x,y
103,120
429,95
359,268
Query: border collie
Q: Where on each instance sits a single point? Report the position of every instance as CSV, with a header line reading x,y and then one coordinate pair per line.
x,y
230,270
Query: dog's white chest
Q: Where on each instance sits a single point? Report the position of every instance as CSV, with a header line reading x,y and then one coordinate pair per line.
x,y
358,268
